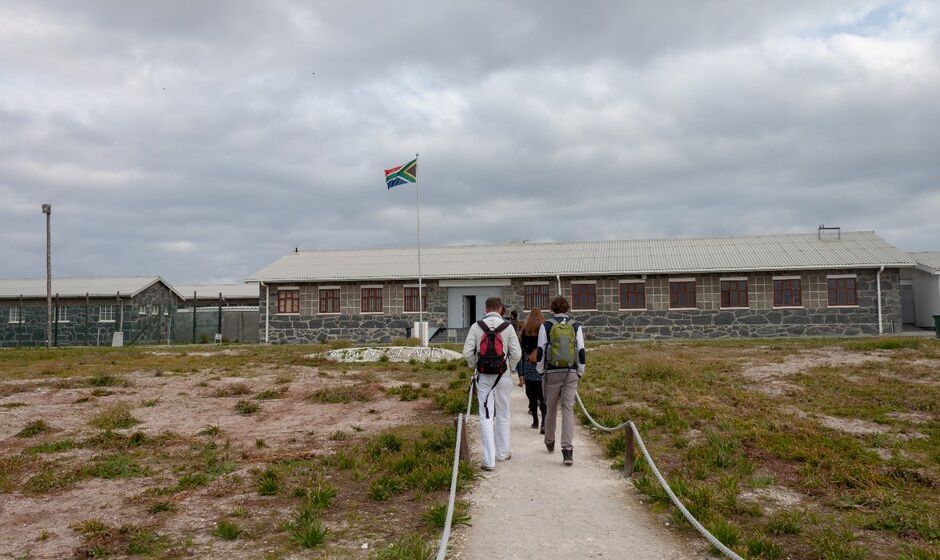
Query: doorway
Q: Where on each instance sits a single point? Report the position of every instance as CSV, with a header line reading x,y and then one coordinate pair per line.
x,y
469,310
907,304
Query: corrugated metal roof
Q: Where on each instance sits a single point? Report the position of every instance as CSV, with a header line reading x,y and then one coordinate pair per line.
x,y
229,291
78,287
799,251
929,259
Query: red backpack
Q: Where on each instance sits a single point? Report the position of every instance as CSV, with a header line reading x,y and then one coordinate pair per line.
x,y
491,357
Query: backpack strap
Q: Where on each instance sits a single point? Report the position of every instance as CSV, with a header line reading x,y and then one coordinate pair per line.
x,y
502,327
486,328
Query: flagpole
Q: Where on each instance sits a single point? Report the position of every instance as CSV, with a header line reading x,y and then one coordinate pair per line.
x,y
422,332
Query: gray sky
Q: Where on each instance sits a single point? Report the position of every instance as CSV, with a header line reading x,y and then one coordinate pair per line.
x,y
193,140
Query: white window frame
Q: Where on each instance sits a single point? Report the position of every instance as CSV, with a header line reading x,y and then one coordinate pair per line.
x,y
786,277
735,279
322,288
287,288
841,277
372,287
62,314
113,313
583,282
424,288
684,279
632,309
15,316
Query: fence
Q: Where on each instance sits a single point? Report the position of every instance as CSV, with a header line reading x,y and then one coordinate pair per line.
x,y
235,324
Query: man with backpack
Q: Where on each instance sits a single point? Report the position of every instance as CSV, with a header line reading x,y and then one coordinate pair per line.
x,y
561,361
492,349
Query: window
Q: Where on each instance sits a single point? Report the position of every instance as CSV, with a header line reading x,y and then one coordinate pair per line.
x,y
842,291
535,296
329,300
734,293
288,301
633,295
682,294
106,313
411,299
15,315
787,292
584,296
62,315
371,299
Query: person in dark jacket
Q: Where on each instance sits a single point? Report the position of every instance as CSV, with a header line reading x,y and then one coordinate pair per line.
x,y
528,374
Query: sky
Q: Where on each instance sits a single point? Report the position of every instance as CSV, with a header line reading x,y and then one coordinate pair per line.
x,y
203,140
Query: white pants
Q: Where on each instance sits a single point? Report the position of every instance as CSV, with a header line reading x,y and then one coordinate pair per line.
x,y
494,431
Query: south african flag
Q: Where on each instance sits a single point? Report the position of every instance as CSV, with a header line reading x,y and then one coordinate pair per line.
x,y
401,174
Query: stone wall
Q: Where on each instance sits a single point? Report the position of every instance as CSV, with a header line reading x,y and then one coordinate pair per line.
x,y
311,326
146,319
608,321
709,320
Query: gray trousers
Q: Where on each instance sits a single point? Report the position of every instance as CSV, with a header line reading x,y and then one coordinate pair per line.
x,y
560,386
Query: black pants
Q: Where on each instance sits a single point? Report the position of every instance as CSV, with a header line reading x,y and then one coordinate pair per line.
x,y
533,390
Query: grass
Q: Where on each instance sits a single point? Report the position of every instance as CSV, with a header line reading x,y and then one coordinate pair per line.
x,y
407,547
343,394
328,493
719,440
114,417
227,530
34,428
436,515
246,408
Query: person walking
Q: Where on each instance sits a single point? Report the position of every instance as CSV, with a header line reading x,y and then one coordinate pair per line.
x,y
528,372
561,360
492,349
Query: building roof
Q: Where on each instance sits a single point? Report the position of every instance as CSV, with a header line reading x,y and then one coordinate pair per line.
x,y
792,251
228,291
927,260
78,287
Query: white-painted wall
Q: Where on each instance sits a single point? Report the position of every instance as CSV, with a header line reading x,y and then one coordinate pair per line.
x,y
926,297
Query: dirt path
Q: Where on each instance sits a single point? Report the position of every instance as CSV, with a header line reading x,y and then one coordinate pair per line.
x,y
590,512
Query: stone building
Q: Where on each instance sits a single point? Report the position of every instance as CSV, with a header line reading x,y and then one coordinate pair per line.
x,y
807,284
920,290
87,311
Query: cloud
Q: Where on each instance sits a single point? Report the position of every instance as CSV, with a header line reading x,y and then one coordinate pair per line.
x,y
195,140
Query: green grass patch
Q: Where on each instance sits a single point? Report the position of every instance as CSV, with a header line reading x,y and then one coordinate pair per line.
x,y
34,428
246,408
115,417
343,394
227,530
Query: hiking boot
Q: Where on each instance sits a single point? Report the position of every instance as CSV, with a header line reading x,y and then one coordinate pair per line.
x,y
566,457
550,446
506,458
485,468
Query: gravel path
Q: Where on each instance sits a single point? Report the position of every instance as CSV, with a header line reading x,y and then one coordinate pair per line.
x,y
534,507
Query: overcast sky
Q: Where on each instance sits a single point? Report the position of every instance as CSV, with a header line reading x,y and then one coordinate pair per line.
x,y
202,140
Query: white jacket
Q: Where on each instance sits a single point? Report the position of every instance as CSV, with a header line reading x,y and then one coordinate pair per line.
x,y
510,342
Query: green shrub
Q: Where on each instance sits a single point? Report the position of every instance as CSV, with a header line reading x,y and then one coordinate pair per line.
x,y
246,408
227,530
306,529
115,417
34,428
407,547
269,482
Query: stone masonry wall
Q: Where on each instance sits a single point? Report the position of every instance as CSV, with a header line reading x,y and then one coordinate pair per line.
x,y
708,320
141,320
311,326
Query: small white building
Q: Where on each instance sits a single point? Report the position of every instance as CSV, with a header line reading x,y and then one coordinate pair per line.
x,y
920,293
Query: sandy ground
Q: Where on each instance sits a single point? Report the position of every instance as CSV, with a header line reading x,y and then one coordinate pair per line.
x,y
534,507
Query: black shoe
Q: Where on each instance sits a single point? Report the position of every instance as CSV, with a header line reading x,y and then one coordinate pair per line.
x,y
550,446
535,422
542,425
566,456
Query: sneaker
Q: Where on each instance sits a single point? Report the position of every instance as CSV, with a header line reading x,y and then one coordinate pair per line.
x,y
506,458
550,446
566,457
485,468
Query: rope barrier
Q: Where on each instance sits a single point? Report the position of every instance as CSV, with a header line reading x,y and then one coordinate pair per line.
x,y
662,481
445,536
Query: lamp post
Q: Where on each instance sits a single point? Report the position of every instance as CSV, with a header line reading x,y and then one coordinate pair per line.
x,y
47,210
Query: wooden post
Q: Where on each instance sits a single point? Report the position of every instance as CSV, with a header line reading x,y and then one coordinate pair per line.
x,y
464,444
194,317
629,452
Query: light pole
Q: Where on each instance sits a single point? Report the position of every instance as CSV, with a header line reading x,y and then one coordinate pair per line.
x,y
47,210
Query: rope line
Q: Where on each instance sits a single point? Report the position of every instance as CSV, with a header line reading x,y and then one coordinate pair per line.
x,y
662,481
445,536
